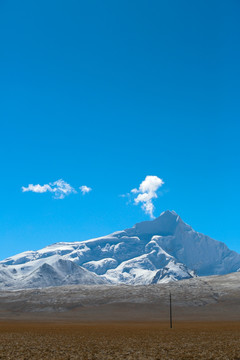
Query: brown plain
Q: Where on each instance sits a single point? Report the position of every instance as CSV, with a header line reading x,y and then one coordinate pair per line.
x,y
31,340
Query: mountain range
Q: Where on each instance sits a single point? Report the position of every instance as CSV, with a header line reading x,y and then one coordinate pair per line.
x,y
158,251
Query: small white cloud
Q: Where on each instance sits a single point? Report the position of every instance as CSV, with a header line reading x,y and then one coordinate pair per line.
x,y
147,192
85,189
37,188
59,188
62,189
134,191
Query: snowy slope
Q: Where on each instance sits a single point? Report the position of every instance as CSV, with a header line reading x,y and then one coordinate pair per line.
x,y
40,273
165,249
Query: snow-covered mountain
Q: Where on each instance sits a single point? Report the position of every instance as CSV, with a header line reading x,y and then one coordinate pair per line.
x,y
165,249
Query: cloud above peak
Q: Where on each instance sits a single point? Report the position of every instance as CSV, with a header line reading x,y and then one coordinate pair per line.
x,y
147,191
85,189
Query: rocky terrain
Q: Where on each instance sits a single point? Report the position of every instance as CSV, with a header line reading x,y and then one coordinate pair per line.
x,y
199,298
91,322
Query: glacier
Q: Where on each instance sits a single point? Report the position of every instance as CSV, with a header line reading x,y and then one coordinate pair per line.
x,y
151,252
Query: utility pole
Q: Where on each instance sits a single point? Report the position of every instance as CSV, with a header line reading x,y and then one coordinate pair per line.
x,y
170,304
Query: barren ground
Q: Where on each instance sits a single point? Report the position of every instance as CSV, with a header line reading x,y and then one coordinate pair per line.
x,y
218,340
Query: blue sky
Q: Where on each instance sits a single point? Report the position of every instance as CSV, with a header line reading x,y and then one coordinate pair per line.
x,y
104,93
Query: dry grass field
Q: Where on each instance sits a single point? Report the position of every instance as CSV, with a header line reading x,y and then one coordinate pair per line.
x,y
22,341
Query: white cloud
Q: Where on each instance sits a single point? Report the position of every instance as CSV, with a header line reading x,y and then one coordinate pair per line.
x,y
59,188
62,189
134,191
147,192
85,189
37,188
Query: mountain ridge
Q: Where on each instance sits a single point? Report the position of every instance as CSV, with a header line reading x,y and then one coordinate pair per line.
x,y
157,251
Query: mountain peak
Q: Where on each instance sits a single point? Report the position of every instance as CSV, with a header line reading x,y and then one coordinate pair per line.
x,y
164,249
169,213
164,225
